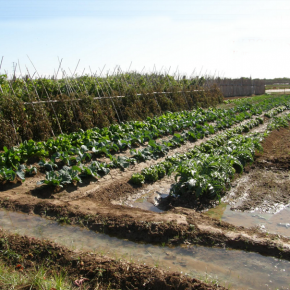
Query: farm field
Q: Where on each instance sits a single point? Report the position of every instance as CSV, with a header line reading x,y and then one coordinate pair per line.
x,y
277,86
180,181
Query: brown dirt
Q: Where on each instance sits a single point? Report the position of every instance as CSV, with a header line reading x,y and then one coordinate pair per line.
x,y
19,187
268,179
102,272
265,190
276,154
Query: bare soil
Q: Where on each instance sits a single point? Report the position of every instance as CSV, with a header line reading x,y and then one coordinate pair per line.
x,y
276,151
267,182
264,190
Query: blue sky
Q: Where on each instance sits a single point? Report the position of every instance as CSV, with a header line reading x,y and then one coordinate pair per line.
x,y
230,38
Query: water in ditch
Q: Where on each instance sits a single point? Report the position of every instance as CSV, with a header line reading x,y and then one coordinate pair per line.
x,y
230,268
278,223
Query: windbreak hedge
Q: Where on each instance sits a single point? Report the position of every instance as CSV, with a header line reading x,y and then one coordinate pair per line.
x,y
21,120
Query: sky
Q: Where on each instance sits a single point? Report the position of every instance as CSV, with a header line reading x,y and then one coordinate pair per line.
x,y
226,38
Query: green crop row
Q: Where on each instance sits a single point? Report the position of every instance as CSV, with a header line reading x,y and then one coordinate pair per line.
x,y
206,171
151,174
76,148
104,141
115,138
122,136
75,173
209,175
74,170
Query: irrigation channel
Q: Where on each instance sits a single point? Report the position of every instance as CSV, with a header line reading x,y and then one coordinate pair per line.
x,y
274,223
277,222
231,268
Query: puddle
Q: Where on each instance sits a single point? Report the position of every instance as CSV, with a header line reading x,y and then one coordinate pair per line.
x,y
148,198
230,268
263,192
149,202
278,223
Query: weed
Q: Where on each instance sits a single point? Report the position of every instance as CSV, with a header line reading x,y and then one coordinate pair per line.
x,y
33,279
192,227
64,220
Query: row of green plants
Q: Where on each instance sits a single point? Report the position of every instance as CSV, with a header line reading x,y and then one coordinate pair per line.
x,y
207,170
152,173
104,141
279,122
117,137
75,173
249,100
213,172
209,174
74,168
10,175
126,135
74,156
273,112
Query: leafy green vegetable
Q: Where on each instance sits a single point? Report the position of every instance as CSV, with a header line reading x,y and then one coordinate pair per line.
x,y
47,165
137,179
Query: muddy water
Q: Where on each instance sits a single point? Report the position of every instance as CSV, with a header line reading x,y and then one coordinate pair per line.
x,y
149,197
278,223
275,223
233,269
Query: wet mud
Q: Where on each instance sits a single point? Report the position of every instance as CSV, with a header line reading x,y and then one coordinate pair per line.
x,y
238,269
100,272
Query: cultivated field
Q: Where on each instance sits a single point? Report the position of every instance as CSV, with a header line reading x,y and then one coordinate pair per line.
x,y
192,182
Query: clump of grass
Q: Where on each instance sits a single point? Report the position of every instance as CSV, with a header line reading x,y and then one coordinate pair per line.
x,y
12,277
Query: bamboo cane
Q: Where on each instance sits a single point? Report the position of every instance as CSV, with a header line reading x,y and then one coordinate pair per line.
x,y
47,96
